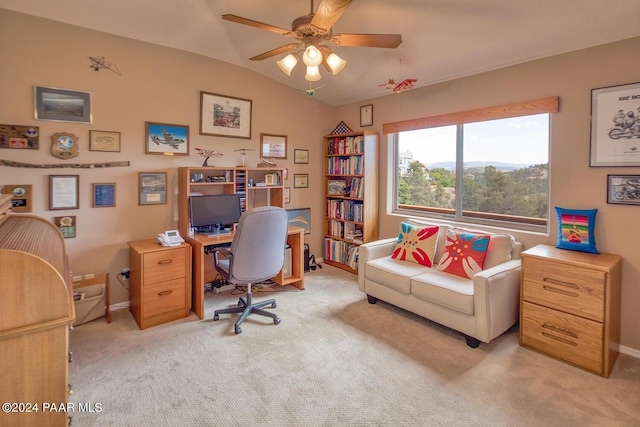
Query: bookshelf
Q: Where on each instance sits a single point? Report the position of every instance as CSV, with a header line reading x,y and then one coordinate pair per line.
x,y
351,196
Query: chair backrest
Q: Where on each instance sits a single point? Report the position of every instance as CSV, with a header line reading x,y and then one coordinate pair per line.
x,y
258,244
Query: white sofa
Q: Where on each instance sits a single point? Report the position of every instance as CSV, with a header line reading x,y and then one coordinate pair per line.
x,y
480,308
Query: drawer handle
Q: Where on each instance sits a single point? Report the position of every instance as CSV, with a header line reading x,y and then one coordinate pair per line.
x,y
165,261
562,340
169,292
560,330
558,290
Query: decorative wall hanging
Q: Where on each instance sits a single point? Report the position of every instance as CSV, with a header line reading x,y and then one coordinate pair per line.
x,y
64,145
64,165
273,146
152,188
63,192
99,63
104,195
67,225
341,128
21,197
300,156
222,115
101,140
623,189
301,180
14,136
366,115
615,126
166,139
62,105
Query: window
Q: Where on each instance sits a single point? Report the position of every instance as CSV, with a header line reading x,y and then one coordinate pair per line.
x,y
490,170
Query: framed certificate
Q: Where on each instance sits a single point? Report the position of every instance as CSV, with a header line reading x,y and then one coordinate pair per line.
x,y
104,195
63,192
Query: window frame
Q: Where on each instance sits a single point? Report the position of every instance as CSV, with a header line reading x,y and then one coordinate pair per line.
x,y
540,106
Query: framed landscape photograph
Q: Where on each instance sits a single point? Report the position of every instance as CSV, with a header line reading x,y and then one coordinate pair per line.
x,y
166,139
100,140
623,189
104,195
273,146
62,105
153,188
63,192
222,115
615,130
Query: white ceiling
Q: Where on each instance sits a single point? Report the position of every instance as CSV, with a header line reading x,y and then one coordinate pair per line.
x,y
442,39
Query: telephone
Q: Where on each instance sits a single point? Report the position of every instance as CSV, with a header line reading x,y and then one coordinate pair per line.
x,y
170,238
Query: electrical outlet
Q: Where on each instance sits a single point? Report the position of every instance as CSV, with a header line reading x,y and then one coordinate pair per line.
x,y
125,272
89,276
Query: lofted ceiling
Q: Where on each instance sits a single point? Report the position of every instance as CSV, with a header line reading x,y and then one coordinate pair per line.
x,y
441,39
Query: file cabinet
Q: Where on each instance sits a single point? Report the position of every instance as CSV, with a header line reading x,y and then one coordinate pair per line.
x,y
570,306
160,282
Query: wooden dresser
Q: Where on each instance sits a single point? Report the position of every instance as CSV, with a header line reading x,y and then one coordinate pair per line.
x,y
36,312
570,306
160,282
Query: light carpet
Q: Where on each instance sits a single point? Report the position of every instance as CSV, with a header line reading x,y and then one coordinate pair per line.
x,y
335,360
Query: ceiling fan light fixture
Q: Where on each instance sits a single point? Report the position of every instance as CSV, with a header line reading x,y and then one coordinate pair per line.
x,y
312,57
313,74
287,63
335,63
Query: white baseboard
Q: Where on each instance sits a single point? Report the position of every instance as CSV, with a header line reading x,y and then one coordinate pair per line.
x,y
119,306
630,351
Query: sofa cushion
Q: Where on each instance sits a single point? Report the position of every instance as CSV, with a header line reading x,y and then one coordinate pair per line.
x,y
442,235
465,253
500,247
445,289
416,244
393,273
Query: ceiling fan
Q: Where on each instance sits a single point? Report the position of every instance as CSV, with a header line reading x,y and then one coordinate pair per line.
x,y
311,31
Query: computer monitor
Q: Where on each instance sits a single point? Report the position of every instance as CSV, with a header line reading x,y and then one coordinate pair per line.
x,y
210,213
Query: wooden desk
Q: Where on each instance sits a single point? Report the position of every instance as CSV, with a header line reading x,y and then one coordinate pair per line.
x,y
199,242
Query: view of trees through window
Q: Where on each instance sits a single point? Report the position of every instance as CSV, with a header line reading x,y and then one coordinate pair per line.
x,y
501,166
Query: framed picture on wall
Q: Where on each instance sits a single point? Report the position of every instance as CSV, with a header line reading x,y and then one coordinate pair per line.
x,y
166,139
273,146
222,115
300,218
366,115
63,192
100,140
104,195
300,156
623,189
62,105
615,128
152,188
300,180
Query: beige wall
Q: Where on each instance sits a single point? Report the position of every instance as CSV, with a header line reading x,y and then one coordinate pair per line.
x,y
159,85
163,85
574,184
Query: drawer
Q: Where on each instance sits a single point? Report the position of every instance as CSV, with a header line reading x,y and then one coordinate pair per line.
x,y
567,337
164,265
163,297
575,290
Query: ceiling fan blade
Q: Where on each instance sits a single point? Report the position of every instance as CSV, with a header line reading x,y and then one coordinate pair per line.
x,y
276,51
328,13
256,24
367,40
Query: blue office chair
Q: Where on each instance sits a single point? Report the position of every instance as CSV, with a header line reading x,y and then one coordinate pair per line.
x,y
256,254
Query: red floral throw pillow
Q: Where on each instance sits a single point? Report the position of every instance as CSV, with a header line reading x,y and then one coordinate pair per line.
x,y
464,253
416,244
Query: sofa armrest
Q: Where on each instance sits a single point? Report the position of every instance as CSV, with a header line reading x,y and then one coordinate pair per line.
x,y
373,250
496,299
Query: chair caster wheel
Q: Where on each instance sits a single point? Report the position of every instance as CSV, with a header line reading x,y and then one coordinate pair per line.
x,y
238,330
276,321
273,305
216,317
